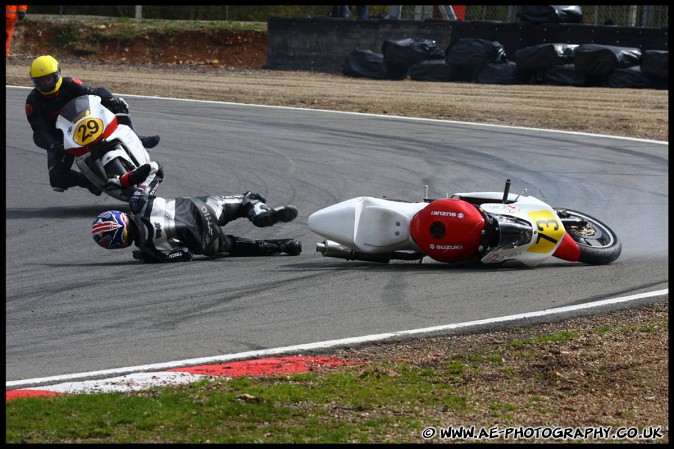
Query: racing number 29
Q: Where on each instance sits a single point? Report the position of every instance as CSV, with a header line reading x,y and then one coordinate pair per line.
x,y
88,131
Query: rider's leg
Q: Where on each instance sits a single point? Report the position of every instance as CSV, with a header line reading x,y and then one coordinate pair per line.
x,y
262,215
226,207
249,205
62,177
243,247
218,244
149,141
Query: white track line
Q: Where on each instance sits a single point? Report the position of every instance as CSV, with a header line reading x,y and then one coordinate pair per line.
x,y
381,115
328,344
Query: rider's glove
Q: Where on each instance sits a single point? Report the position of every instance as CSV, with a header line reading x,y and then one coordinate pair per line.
x,y
123,105
177,255
180,255
113,183
119,106
22,14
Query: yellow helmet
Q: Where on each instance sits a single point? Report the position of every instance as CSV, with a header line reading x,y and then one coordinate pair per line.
x,y
45,72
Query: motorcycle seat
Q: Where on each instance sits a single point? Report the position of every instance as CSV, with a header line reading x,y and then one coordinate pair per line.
x,y
380,226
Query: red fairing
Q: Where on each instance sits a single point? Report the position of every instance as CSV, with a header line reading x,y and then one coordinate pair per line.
x,y
112,126
77,151
568,249
448,230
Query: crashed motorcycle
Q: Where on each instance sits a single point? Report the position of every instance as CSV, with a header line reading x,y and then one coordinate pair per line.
x,y
484,227
103,143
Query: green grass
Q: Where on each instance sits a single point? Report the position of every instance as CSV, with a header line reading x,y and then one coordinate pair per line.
x,y
66,35
135,25
380,402
284,409
70,29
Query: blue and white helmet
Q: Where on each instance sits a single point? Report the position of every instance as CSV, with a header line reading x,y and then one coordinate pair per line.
x,y
111,230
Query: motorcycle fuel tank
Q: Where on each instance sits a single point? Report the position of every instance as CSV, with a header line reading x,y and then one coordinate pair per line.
x,y
448,230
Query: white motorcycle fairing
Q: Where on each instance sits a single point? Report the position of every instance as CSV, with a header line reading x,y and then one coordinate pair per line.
x,y
368,224
487,227
535,231
101,145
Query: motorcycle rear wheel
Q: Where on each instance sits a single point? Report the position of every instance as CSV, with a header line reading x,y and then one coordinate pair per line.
x,y
598,244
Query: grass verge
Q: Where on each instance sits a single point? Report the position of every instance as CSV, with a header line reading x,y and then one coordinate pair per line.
x,y
562,375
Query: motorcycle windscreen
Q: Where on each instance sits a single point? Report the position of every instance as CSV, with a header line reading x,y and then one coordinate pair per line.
x,y
76,108
448,230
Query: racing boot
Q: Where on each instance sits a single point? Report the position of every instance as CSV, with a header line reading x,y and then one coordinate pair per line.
x,y
149,141
261,215
290,247
244,247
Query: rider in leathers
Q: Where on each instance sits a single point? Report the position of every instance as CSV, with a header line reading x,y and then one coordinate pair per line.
x,y
168,230
42,107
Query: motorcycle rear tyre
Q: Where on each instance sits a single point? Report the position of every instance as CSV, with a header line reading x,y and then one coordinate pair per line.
x,y
599,244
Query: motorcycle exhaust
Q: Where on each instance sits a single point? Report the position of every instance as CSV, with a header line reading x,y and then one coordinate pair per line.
x,y
333,249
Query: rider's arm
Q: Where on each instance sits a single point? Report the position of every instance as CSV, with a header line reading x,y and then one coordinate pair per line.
x,y
146,187
116,105
144,205
148,176
111,102
79,87
147,251
148,255
44,133
107,98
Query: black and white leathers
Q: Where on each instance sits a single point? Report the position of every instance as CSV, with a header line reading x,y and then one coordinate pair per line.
x,y
171,229
174,229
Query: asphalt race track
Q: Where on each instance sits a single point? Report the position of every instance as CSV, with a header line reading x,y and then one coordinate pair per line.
x,y
73,307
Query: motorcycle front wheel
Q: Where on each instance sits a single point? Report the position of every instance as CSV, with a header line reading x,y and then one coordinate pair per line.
x,y
598,244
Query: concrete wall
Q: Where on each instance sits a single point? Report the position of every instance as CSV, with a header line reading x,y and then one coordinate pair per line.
x,y
322,44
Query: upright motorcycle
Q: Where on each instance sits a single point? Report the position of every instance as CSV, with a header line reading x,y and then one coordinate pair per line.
x,y
103,143
485,227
